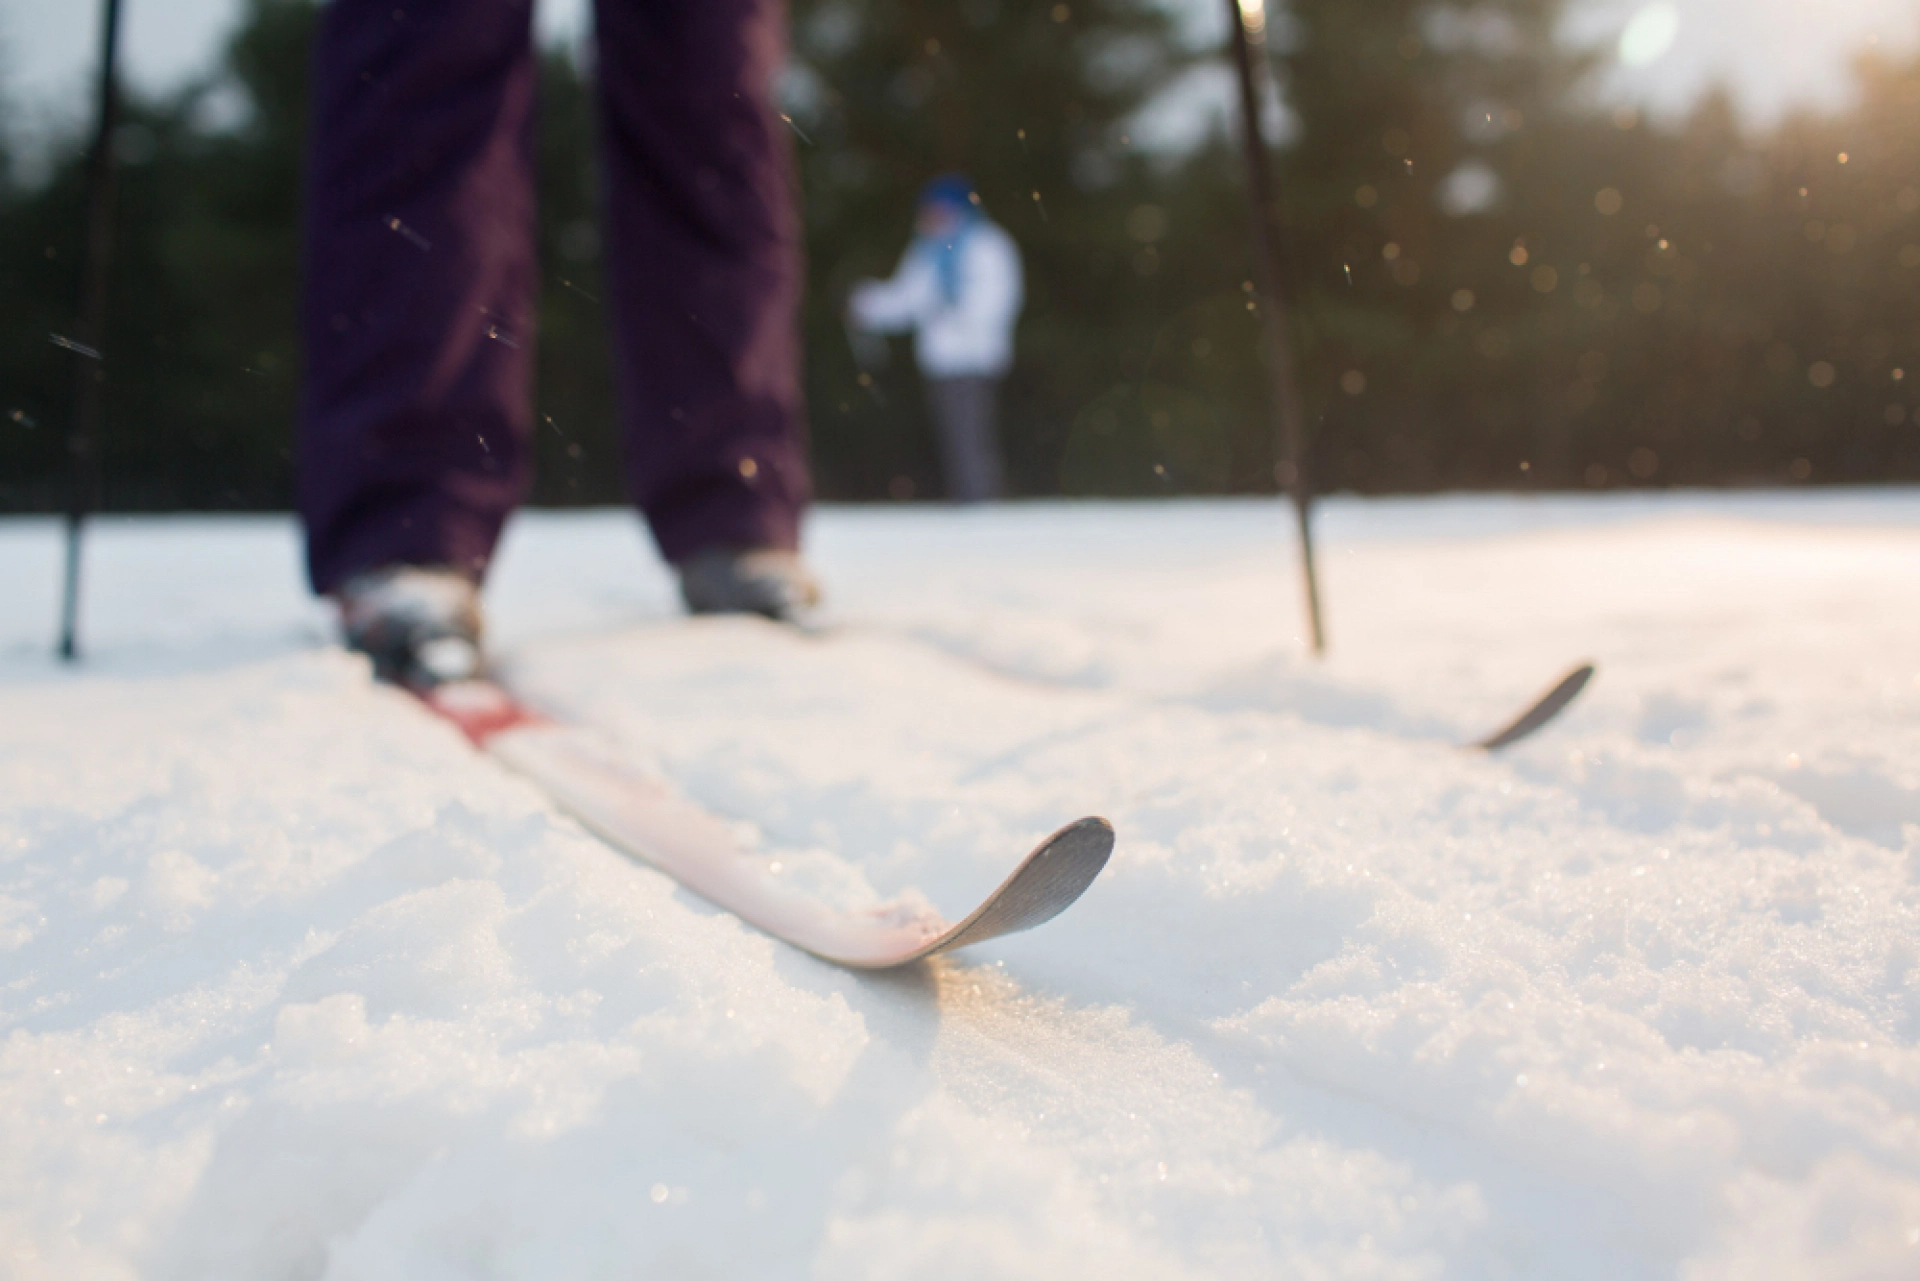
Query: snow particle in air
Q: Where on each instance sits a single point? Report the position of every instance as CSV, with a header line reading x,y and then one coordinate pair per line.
x,y
407,233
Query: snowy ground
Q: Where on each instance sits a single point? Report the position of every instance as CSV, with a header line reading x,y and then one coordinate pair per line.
x,y
293,984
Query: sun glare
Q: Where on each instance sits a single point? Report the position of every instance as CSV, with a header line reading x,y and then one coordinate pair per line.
x,y
1649,35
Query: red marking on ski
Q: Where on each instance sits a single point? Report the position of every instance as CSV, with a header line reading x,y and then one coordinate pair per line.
x,y
479,709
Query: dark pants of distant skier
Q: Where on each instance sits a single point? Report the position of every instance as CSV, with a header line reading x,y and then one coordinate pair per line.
x,y
421,287
966,419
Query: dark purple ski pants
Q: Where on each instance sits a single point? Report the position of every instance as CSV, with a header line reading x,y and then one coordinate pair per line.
x,y
422,282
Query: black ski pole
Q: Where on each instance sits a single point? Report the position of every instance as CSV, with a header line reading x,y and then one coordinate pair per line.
x,y
1249,56
84,431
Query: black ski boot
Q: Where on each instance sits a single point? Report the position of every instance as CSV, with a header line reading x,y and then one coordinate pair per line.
x,y
420,624
770,581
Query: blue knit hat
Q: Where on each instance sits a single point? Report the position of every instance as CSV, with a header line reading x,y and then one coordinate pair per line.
x,y
950,191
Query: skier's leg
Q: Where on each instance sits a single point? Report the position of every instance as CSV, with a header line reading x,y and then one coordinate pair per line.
x,y
986,416
963,414
703,271
943,405
420,268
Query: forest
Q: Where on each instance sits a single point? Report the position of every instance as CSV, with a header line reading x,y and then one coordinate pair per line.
x,y
1497,281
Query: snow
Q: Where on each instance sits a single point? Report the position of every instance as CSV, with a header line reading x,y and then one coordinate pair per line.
x,y
295,984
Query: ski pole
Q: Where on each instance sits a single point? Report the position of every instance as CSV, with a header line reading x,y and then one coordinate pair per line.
x,y
84,430
1249,39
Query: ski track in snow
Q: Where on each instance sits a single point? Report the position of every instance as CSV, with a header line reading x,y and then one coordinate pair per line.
x,y
293,984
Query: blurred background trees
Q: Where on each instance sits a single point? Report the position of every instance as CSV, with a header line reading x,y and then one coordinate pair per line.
x,y
1497,282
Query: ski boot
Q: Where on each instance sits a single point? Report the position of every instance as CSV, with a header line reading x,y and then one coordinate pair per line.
x,y
420,624
769,581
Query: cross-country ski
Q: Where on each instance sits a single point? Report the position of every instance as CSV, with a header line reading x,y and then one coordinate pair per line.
x,y
642,815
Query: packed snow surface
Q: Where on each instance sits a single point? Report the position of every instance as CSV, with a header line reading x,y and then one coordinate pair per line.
x,y
294,984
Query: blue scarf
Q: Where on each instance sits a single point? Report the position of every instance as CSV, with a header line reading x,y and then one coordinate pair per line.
x,y
945,251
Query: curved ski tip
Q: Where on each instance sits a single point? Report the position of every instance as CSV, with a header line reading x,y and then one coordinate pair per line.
x,y
1576,680
1571,684
1543,710
1047,882
1086,842
1075,855
1093,830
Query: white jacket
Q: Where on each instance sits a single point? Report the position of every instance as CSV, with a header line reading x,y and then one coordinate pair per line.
x,y
973,335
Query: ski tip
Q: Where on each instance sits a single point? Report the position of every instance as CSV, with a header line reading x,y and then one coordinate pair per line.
x,y
1047,882
1087,842
1090,828
1543,710
1055,875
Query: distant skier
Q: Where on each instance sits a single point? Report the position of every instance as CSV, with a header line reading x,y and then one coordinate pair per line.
x,y
959,288
416,415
